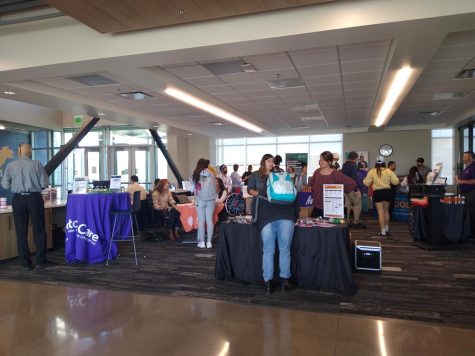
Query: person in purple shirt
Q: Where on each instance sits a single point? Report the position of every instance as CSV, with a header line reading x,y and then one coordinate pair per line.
x,y
466,183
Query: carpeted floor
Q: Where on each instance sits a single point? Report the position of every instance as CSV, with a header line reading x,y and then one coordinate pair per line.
x,y
432,286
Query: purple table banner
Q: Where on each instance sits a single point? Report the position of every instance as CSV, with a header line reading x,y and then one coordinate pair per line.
x,y
89,226
304,199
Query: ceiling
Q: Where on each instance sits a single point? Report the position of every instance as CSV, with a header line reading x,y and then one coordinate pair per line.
x,y
319,68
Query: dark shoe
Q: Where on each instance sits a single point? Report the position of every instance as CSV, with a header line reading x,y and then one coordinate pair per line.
x,y
268,286
359,226
382,235
286,285
27,268
46,264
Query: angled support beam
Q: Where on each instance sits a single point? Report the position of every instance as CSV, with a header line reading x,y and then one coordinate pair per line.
x,y
71,145
169,159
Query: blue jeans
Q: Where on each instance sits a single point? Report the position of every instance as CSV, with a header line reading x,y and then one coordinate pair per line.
x,y
205,211
282,231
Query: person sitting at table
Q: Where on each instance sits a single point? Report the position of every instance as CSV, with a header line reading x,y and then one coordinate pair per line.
x,y
381,178
164,208
412,178
276,222
326,174
205,195
135,186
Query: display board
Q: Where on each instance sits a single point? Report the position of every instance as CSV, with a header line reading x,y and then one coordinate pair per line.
x,y
333,201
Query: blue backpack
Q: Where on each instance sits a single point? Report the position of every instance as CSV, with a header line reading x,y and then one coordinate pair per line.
x,y
280,188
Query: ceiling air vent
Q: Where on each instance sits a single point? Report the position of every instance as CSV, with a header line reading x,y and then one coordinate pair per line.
x,y
309,107
449,95
92,80
467,73
285,83
228,67
136,95
425,115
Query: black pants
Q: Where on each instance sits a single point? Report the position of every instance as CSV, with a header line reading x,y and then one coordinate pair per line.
x,y
24,207
470,201
168,217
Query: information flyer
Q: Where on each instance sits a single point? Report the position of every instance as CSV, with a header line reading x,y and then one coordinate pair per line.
x,y
115,183
80,185
333,201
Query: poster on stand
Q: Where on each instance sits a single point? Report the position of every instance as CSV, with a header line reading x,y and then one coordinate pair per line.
x,y
333,201
115,183
296,161
80,185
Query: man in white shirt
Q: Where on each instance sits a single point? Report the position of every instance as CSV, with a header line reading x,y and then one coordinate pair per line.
x,y
226,179
135,186
236,180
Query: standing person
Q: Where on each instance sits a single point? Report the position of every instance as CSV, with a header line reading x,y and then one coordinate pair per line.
x,y
301,179
353,198
164,208
336,158
361,174
236,180
423,170
205,196
466,183
413,177
25,178
277,163
226,179
326,174
392,166
363,162
381,178
246,174
276,222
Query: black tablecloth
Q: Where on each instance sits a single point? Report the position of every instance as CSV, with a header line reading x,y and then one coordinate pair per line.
x,y
320,257
455,223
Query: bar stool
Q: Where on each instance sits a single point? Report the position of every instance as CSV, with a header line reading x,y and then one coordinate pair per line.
x,y
131,211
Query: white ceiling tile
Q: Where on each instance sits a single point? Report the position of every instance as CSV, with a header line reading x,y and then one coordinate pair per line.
x,y
320,70
373,84
205,81
218,89
291,91
61,83
456,52
445,75
278,74
260,93
270,62
326,79
363,76
362,66
446,65
236,78
364,51
246,87
313,57
190,71
324,88
462,37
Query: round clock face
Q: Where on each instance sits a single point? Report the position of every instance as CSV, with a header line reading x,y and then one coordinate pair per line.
x,y
386,150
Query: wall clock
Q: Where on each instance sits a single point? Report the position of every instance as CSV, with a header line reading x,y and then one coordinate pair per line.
x,y
386,150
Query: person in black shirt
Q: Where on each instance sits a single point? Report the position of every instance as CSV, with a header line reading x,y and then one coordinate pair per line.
x,y
247,174
353,199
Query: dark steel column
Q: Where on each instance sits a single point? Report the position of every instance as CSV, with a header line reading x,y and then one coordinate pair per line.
x,y
69,147
169,159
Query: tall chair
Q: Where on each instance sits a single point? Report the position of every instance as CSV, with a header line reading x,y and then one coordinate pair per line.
x,y
131,212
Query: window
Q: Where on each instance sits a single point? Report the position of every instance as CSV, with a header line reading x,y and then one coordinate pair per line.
x,y
249,151
442,151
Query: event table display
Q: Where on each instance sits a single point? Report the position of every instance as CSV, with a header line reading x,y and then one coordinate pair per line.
x,y
320,257
89,225
189,216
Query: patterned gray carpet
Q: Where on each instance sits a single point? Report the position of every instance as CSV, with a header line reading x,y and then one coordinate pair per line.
x,y
433,286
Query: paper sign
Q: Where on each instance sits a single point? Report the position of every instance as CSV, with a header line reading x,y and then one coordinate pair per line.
x,y
80,185
115,183
333,201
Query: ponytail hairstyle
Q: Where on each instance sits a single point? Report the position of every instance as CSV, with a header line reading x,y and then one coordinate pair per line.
x,y
327,156
200,166
262,168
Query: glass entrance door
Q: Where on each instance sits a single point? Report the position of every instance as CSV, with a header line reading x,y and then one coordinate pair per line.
x,y
132,160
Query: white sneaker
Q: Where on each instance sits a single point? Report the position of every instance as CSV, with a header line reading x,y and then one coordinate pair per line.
x,y
209,244
201,244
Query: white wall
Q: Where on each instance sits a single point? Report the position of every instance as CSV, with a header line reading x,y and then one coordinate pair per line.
x,y
407,146
198,147
28,114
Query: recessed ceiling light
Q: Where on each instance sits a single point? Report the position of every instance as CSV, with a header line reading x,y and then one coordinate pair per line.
x,y
312,118
285,83
216,123
101,113
190,134
309,107
9,92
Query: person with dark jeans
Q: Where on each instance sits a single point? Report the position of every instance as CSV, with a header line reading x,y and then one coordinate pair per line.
x,y
25,178
466,183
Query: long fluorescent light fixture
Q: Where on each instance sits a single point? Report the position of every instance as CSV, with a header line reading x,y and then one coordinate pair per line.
x,y
398,84
214,110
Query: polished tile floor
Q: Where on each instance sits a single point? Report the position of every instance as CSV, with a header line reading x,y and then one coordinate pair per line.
x,y
51,320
